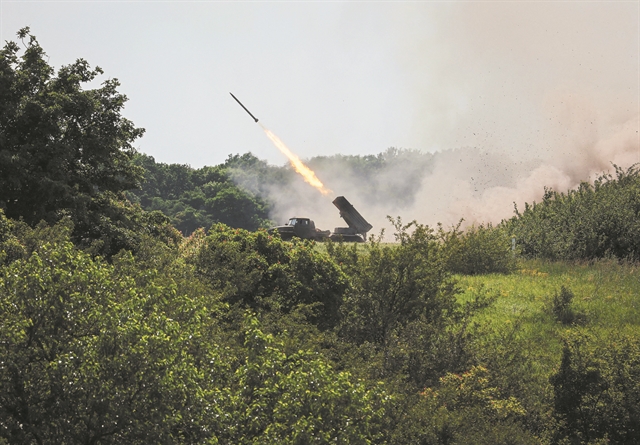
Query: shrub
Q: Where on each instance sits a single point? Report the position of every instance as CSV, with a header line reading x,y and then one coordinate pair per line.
x,y
479,250
562,310
597,390
464,408
594,221
256,270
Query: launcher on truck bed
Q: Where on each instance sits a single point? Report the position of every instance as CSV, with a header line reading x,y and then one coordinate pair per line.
x,y
358,226
305,228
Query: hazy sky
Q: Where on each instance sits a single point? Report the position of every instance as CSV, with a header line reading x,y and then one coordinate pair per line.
x,y
353,77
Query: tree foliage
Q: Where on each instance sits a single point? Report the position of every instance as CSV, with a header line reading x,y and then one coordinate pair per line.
x,y
89,356
594,221
393,286
597,390
94,352
400,314
298,398
66,151
199,198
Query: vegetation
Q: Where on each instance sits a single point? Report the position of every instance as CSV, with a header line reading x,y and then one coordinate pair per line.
x,y
67,152
124,331
199,198
594,221
479,250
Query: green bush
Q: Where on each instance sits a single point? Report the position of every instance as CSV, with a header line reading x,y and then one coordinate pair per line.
x,y
123,353
400,318
259,271
90,356
479,250
296,398
561,307
464,408
596,220
597,390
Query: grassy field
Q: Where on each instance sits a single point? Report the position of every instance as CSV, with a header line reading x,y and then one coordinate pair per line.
x,y
519,334
606,292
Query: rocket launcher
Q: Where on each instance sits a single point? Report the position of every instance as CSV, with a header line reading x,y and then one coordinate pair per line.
x,y
354,220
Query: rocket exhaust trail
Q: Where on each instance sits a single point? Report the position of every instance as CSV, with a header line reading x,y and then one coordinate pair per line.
x,y
307,174
245,108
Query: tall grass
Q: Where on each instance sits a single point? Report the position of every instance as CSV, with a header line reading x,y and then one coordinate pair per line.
x,y
521,338
607,292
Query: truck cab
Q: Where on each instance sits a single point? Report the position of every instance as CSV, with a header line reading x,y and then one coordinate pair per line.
x,y
303,228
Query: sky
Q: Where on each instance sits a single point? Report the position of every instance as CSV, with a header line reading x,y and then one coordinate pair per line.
x,y
348,77
554,85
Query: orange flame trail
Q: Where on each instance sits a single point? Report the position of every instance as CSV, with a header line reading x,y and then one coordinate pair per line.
x,y
308,174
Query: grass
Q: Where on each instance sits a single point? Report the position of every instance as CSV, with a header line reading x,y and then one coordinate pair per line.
x,y
360,247
606,292
518,335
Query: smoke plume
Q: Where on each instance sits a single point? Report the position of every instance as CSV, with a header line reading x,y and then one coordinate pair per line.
x,y
509,98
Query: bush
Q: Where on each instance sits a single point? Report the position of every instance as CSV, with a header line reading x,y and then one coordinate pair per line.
x,y
123,353
597,390
88,356
479,250
464,408
596,220
258,271
561,306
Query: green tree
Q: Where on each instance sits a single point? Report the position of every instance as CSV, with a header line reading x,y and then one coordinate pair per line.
x,y
66,151
394,285
62,146
195,198
597,390
298,398
92,355
479,250
132,352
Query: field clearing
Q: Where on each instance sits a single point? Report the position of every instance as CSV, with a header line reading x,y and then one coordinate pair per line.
x,y
360,247
606,295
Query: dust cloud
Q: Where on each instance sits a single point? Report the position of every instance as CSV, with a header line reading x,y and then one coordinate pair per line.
x,y
508,98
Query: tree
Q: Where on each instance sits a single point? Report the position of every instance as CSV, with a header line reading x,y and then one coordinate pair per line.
x,y
297,398
261,272
124,353
195,198
64,151
597,390
92,353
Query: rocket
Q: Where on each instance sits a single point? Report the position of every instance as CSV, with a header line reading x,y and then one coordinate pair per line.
x,y
245,108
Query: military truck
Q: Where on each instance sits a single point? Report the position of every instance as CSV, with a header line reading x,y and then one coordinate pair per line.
x,y
302,228
305,228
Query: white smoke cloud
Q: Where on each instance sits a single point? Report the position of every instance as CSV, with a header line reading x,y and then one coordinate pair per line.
x,y
510,97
